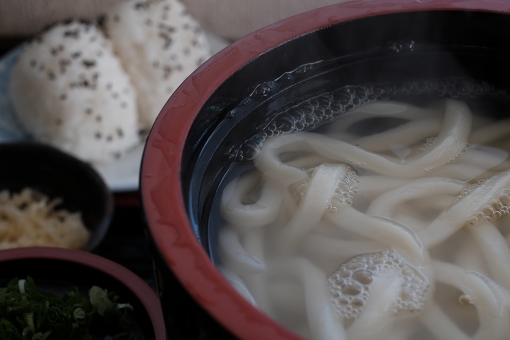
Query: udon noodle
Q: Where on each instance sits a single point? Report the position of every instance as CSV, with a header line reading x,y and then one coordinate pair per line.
x,y
398,234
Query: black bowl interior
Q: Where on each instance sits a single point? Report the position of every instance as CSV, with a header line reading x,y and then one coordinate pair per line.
x,y
58,174
58,276
406,56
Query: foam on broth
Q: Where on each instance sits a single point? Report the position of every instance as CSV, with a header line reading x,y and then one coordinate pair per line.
x,y
389,223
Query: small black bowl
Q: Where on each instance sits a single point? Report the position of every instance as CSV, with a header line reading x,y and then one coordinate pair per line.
x,y
58,174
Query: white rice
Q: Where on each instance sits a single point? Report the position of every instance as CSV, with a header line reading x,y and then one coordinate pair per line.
x,y
159,44
69,90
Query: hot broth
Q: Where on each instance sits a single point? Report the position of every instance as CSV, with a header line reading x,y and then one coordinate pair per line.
x,y
389,222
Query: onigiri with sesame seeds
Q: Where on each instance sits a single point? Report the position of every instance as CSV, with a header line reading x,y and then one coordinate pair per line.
x,y
69,90
160,45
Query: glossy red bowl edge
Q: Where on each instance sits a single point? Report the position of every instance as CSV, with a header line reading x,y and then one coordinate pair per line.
x,y
145,294
160,177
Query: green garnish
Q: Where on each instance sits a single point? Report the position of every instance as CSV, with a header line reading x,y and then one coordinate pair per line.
x,y
27,313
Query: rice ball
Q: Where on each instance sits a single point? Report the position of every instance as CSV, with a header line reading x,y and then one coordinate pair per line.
x,y
69,90
160,44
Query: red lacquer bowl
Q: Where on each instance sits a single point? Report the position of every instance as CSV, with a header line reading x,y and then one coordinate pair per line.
x,y
391,40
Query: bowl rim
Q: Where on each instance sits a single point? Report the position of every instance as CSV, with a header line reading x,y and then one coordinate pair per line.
x,y
145,294
160,180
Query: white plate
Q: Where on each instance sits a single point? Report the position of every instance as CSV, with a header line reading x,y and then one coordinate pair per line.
x,y
120,175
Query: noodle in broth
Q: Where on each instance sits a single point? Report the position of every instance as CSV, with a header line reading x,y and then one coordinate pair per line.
x,y
400,234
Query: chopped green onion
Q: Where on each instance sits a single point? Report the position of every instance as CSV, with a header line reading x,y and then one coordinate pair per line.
x,y
27,312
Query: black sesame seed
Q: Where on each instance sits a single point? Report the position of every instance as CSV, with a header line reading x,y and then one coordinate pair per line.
x,y
33,63
167,70
53,51
58,121
166,38
63,63
120,133
155,64
51,75
72,34
76,55
63,97
97,135
109,138
60,47
99,118
88,63
88,110
116,155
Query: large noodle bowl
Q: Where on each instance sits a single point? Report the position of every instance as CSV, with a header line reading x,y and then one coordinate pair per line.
x,y
395,232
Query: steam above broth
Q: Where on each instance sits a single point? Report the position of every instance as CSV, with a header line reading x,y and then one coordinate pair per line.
x,y
400,233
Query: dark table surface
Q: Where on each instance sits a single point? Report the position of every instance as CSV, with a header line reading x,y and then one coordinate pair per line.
x,y
127,242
